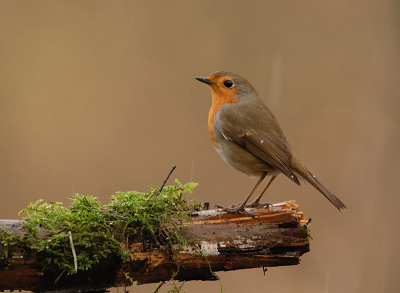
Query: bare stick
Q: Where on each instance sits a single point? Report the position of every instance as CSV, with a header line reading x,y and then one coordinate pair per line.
x,y
62,273
162,185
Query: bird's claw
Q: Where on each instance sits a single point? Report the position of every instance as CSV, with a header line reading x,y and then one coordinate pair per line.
x,y
239,209
256,204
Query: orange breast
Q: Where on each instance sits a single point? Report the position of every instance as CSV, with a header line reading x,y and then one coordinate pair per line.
x,y
219,99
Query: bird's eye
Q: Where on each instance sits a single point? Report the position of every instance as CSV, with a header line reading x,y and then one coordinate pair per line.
x,y
228,83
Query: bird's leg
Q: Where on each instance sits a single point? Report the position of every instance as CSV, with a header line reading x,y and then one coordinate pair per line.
x,y
239,209
256,202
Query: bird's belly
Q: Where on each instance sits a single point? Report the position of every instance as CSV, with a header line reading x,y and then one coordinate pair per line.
x,y
242,160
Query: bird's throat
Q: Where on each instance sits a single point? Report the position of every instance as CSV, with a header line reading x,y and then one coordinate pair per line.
x,y
218,100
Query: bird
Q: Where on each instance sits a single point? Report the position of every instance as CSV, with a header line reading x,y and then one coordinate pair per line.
x,y
246,134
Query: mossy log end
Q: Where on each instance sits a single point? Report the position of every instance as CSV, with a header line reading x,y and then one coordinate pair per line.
x,y
277,236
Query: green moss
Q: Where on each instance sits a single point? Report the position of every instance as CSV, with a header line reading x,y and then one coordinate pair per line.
x,y
7,241
79,236
305,231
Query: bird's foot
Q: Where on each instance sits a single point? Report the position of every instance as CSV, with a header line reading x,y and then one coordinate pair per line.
x,y
239,209
256,204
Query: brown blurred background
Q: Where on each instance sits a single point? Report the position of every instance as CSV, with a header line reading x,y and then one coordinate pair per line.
x,y
100,96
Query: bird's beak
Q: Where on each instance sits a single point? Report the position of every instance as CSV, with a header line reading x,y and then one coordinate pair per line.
x,y
205,80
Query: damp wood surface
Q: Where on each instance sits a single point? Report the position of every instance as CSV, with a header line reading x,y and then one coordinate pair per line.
x,y
275,236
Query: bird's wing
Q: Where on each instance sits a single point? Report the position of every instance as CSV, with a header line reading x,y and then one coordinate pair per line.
x,y
269,145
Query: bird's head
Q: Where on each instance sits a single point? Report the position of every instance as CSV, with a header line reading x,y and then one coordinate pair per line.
x,y
228,86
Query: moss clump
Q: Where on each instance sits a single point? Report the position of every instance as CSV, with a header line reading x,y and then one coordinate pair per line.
x,y
305,231
7,241
78,236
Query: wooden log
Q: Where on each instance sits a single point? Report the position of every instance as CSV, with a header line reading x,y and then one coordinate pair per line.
x,y
275,236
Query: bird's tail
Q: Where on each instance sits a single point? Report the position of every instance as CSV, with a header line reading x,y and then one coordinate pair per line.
x,y
305,174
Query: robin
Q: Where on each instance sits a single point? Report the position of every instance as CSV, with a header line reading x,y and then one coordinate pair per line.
x,y
248,137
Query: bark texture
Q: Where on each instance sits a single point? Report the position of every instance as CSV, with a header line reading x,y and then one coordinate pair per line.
x,y
276,236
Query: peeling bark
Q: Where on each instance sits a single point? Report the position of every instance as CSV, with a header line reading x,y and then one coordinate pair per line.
x,y
274,237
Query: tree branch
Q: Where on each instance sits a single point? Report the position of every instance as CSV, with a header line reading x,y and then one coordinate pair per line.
x,y
277,236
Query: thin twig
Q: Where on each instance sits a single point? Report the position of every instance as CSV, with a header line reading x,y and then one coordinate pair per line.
x,y
264,270
60,275
151,196
166,179
73,252
162,185
158,287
